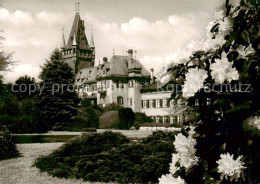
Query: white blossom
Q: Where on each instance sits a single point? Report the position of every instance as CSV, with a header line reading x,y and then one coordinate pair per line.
x,y
227,166
185,155
185,148
219,15
169,179
224,26
175,158
222,70
179,56
194,81
208,29
254,121
244,51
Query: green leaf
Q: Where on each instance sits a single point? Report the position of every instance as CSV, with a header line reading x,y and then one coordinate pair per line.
x,y
238,108
214,28
245,36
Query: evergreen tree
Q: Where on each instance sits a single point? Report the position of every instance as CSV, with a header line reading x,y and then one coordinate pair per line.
x,y
58,101
126,118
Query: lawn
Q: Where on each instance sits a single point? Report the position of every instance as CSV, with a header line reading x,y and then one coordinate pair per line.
x,y
21,139
20,170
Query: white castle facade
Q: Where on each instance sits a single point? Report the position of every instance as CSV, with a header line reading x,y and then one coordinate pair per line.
x,y
122,79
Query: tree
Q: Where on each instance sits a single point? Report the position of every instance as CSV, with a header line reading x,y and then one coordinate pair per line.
x,y
227,130
25,87
126,118
5,60
58,101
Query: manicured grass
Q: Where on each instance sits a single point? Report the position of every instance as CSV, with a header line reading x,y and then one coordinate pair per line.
x,y
21,139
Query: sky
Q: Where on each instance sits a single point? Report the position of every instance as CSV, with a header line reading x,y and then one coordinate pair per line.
x,y
154,28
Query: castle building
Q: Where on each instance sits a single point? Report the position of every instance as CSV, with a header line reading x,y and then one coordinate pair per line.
x,y
122,79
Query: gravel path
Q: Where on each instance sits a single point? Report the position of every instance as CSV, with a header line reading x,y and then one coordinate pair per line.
x,y
20,170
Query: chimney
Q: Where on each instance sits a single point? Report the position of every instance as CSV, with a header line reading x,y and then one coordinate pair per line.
x,y
130,53
152,75
104,59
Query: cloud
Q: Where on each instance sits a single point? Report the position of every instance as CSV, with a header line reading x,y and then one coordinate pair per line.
x,y
22,70
155,62
34,35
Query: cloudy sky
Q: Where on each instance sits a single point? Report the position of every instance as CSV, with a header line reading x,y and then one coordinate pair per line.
x,y
33,28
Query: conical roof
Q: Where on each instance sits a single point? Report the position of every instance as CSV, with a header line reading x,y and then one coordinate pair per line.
x,y
78,29
92,45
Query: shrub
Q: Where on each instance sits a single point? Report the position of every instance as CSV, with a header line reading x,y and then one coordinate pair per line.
x,y
111,157
137,125
109,120
7,146
89,130
111,107
126,118
156,125
142,118
86,118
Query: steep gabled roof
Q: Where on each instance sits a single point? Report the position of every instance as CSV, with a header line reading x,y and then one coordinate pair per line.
x,y
78,29
118,67
86,75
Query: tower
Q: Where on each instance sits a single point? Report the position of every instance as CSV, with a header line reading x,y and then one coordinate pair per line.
x,y
78,53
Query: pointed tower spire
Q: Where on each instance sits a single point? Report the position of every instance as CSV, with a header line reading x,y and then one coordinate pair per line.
x,y
92,45
63,45
74,43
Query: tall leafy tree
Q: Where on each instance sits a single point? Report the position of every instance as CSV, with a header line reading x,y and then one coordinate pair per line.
x,y
58,100
25,87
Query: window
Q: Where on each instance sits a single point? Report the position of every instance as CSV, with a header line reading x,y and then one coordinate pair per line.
x,y
120,100
172,103
179,119
164,119
164,102
104,71
151,104
121,85
157,119
157,102
94,87
131,84
160,119
145,103
131,101
171,119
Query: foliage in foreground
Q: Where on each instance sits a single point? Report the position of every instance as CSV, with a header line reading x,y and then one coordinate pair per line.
x,y
7,146
111,157
228,151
